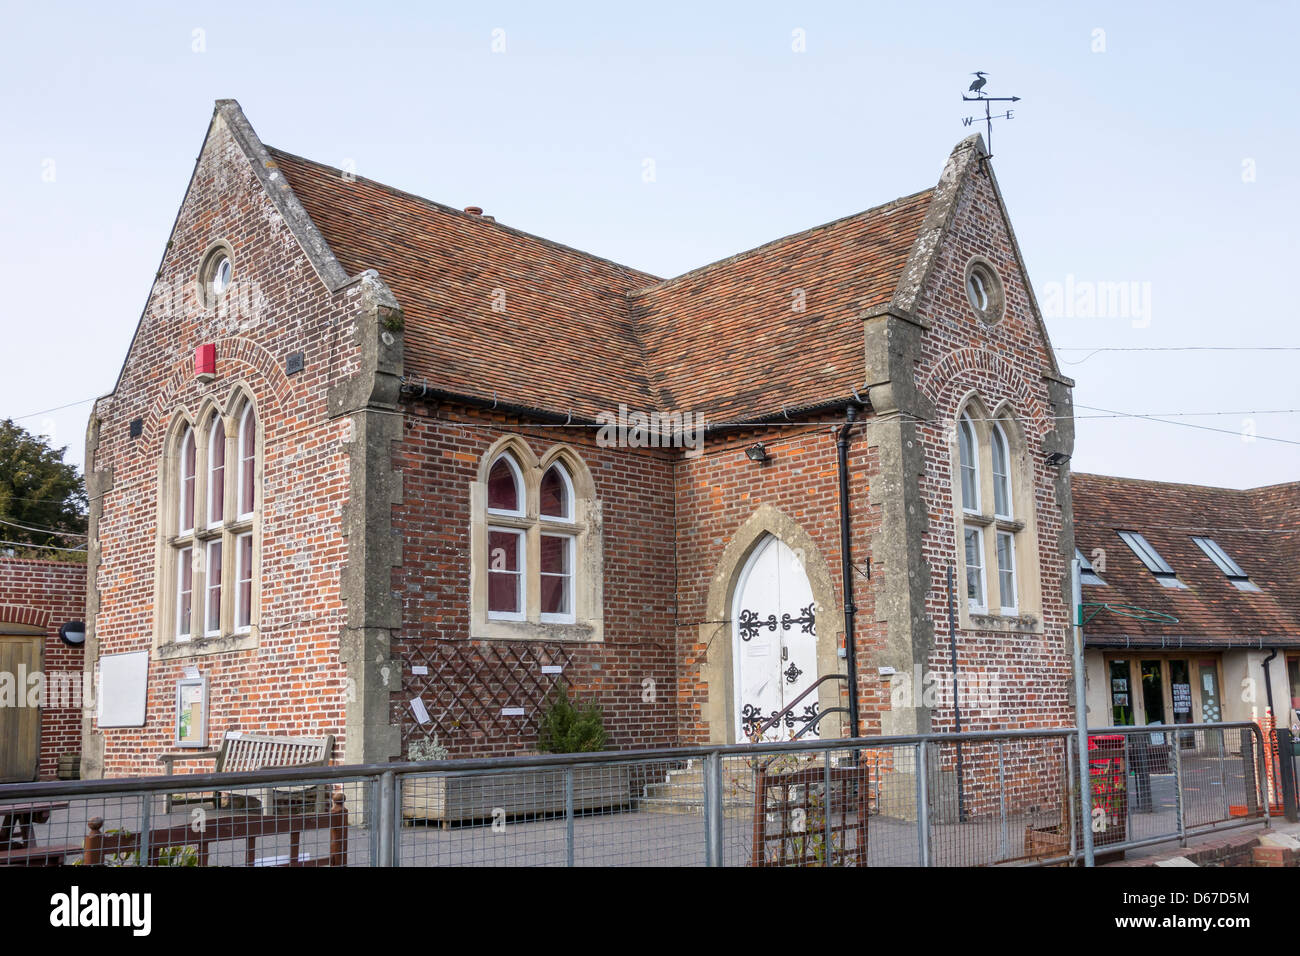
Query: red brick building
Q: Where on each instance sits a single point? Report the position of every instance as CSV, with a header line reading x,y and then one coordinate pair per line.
x,y
41,687
382,468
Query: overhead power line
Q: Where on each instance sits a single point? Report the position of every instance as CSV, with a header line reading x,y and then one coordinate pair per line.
x,y
38,530
1097,350
49,411
52,547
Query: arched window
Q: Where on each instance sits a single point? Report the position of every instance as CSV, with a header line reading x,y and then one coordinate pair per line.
x,y
536,548
994,535
186,476
555,497
208,593
216,471
557,494
970,468
505,487
1001,473
247,460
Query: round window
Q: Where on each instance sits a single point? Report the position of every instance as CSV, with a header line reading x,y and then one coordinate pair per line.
x,y
221,276
984,290
215,275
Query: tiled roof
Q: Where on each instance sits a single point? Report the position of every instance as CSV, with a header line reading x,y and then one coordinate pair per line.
x,y
728,340
565,340
1259,528
580,334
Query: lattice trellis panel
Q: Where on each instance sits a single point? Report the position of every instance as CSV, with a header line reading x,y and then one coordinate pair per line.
x,y
473,691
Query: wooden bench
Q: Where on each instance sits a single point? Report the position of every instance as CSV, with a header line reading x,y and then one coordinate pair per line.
x,y
242,753
37,855
122,847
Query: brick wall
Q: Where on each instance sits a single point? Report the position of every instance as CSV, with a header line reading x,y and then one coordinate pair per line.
x,y
49,594
292,682
439,459
1027,670
720,490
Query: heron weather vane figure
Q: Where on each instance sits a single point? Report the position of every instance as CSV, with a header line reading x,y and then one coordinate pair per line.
x,y
977,88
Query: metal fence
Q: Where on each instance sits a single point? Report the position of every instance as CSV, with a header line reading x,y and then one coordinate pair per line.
x,y
972,799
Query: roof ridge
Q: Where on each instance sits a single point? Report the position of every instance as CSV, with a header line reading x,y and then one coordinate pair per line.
x,y
1157,481
469,217
745,254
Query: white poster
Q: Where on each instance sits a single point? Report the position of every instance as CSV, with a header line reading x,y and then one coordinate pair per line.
x,y
123,689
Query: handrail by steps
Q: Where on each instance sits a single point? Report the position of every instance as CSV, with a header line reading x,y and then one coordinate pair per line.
x,y
780,715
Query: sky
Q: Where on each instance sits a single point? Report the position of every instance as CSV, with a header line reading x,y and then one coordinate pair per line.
x,y
1152,153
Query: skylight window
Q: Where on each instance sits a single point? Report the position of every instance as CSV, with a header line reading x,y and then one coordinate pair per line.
x,y
1087,574
1239,578
1151,558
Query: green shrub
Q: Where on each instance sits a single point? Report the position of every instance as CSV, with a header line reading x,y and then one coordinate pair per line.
x,y
570,729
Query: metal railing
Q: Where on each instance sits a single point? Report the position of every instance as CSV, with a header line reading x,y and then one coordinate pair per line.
x,y
877,801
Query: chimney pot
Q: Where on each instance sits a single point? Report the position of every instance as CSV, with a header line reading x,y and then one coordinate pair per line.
x,y
474,210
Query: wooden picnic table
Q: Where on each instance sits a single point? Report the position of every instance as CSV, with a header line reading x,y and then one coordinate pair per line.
x,y
17,819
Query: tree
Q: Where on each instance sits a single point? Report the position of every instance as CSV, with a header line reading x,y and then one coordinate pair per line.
x,y
42,498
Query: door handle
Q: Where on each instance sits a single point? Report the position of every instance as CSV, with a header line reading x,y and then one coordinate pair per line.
x,y
785,653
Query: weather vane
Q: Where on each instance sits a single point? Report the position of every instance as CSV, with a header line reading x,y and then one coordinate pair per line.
x,y
977,87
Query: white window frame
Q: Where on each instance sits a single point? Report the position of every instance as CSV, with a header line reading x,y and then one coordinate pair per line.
x,y
1014,606
240,610
520,574
188,440
521,490
570,596
209,587
977,289
966,427
245,418
998,445
982,606
184,562
208,521
570,499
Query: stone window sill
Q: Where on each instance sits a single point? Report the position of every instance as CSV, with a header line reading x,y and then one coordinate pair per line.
x,y
201,646
1008,624
585,632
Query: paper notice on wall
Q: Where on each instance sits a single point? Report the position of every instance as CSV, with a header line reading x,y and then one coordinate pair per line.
x,y
123,689
1182,694
420,711
1207,681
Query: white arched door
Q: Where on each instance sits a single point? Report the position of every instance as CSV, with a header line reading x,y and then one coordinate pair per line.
x,y
774,641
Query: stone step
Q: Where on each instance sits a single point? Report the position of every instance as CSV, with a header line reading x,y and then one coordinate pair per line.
x,y
682,791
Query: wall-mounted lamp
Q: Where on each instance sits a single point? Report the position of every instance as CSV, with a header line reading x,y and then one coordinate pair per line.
x,y
1057,458
73,633
757,452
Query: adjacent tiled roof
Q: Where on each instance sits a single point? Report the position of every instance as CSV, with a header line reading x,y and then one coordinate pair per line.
x,y
580,334
1259,528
